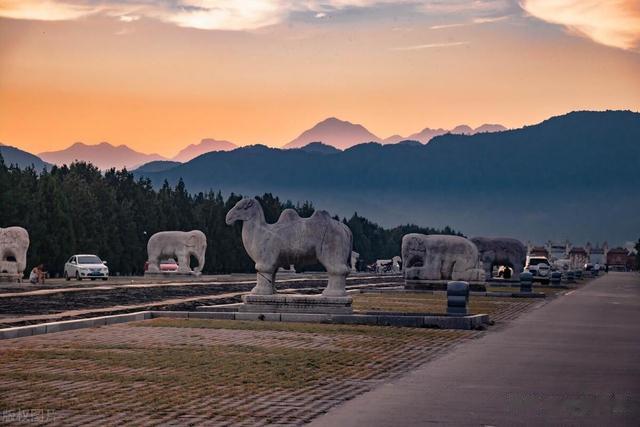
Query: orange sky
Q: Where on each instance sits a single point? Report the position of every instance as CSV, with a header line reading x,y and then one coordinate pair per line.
x,y
144,77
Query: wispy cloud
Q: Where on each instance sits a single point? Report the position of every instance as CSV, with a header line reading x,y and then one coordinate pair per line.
x,y
613,23
219,14
430,46
474,21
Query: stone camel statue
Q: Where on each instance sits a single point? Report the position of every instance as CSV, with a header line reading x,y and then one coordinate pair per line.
x,y
14,243
177,244
293,240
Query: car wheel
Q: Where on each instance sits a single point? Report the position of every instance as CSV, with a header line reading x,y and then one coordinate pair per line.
x,y
93,278
78,278
66,276
545,282
105,278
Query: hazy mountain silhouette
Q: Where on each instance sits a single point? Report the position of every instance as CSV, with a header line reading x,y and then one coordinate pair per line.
x,y
489,128
320,148
338,133
22,159
103,155
205,146
156,166
557,179
426,134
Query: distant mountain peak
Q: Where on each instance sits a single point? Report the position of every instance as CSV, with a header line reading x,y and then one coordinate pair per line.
x,y
462,129
320,147
103,155
206,145
340,134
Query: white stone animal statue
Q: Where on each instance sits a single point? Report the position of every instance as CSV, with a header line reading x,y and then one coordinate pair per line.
x,y
440,257
180,245
393,265
501,251
355,257
14,243
293,240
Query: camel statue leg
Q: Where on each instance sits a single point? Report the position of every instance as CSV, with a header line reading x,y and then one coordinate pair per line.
x,y
266,281
336,286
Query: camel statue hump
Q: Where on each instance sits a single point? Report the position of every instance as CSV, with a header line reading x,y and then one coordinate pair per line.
x,y
288,215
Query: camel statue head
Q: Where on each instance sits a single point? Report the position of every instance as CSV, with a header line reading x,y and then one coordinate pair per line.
x,y
244,210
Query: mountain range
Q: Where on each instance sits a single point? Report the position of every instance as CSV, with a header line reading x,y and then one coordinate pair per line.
x,y
102,155
332,132
343,134
573,176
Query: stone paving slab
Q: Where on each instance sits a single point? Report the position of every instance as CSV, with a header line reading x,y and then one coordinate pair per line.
x,y
178,372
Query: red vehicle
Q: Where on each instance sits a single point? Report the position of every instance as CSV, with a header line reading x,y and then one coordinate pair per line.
x,y
165,265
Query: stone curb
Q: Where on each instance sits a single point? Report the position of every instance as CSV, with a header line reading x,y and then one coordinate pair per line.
x,y
68,325
392,319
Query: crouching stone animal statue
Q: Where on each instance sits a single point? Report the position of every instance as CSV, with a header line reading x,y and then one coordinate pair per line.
x,y
293,240
437,257
501,251
14,242
180,245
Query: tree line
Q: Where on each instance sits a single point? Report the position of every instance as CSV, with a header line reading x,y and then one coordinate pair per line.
x,y
78,209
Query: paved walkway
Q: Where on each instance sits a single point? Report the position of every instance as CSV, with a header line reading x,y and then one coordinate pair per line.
x,y
575,361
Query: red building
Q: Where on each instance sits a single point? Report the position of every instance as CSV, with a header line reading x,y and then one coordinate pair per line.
x,y
617,258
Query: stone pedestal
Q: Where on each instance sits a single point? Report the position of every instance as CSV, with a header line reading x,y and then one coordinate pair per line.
x,y
10,278
283,303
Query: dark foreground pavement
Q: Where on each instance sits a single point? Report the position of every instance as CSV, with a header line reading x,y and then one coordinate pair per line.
x,y
575,361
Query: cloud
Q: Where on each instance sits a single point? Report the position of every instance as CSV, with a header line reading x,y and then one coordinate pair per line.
x,y
474,21
430,46
613,23
218,14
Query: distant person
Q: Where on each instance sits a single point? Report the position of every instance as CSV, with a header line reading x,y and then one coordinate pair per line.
x,y
37,275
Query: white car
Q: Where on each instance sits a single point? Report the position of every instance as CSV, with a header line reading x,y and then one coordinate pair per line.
x,y
86,267
540,267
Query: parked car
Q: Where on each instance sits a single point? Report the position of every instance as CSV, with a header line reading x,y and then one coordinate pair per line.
x,y
86,266
540,267
165,265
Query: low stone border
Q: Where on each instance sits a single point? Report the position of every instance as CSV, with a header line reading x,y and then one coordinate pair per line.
x,y
416,320
67,325
472,293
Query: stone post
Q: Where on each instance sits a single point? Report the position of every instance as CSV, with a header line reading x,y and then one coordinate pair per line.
x,y
571,276
457,298
556,277
579,274
526,282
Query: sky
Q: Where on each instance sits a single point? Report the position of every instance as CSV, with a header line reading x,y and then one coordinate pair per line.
x,y
160,75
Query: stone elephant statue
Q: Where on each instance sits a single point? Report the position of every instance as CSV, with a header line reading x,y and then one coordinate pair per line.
x,y
439,257
180,245
14,242
501,251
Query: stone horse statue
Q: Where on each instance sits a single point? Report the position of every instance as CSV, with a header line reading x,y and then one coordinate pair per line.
x,y
293,240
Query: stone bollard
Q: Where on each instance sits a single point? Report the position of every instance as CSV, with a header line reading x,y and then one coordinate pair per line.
x,y
457,298
579,274
570,276
556,277
526,282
